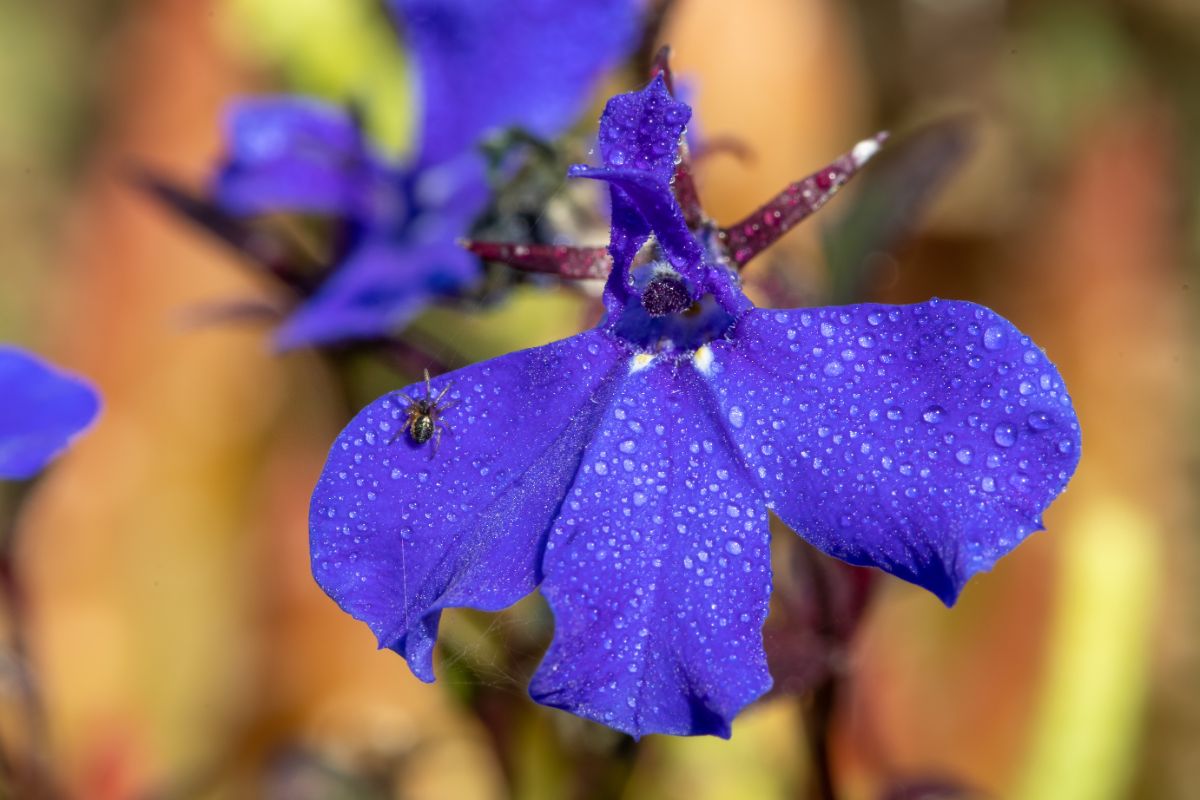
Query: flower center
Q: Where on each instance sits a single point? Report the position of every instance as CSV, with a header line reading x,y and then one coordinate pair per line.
x,y
663,317
665,295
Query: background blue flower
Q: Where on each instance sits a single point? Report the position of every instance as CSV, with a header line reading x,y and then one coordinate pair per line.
x,y
41,410
629,470
480,65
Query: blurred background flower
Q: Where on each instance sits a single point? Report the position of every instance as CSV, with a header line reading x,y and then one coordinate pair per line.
x,y
181,646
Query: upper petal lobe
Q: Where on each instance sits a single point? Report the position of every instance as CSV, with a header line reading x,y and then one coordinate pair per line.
x,y
658,569
401,530
924,439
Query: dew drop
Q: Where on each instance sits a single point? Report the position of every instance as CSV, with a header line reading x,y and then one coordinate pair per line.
x,y
737,417
733,547
934,414
1040,421
833,369
993,337
1005,435
964,456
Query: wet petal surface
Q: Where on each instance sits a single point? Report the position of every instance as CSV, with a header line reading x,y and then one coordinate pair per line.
x,y
925,440
639,139
41,409
658,569
401,530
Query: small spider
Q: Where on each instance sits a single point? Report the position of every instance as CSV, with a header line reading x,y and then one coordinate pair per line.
x,y
422,418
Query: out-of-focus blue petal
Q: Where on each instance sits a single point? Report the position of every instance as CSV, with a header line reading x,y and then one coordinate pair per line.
x,y
925,440
486,64
397,269
41,409
376,290
658,569
293,154
401,531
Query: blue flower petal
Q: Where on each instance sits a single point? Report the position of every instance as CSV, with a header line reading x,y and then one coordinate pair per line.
x,y
293,154
41,409
925,440
639,140
401,531
486,64
378,288
661,212
658,569
640,131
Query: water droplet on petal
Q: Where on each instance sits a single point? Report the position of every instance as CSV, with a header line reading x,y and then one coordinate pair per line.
x,y
993,337
1040,421
1005,435
737,417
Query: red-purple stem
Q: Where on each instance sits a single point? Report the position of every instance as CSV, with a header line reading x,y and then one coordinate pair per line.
x,y
565,261
746,239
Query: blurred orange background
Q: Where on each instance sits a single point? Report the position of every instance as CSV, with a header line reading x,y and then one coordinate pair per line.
x,y
182,648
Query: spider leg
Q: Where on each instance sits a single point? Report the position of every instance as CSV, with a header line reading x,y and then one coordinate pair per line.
x,y
445,389
437,436
428,388
408,421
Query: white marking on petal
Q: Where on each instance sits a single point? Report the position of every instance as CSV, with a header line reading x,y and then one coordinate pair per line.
x,y
640,362
703,359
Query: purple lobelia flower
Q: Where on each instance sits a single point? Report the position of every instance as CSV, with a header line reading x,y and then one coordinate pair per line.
x,y
481,65
629,471
41,409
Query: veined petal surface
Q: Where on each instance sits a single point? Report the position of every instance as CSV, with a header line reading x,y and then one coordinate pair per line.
x,y
401,530
925,439
658,568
